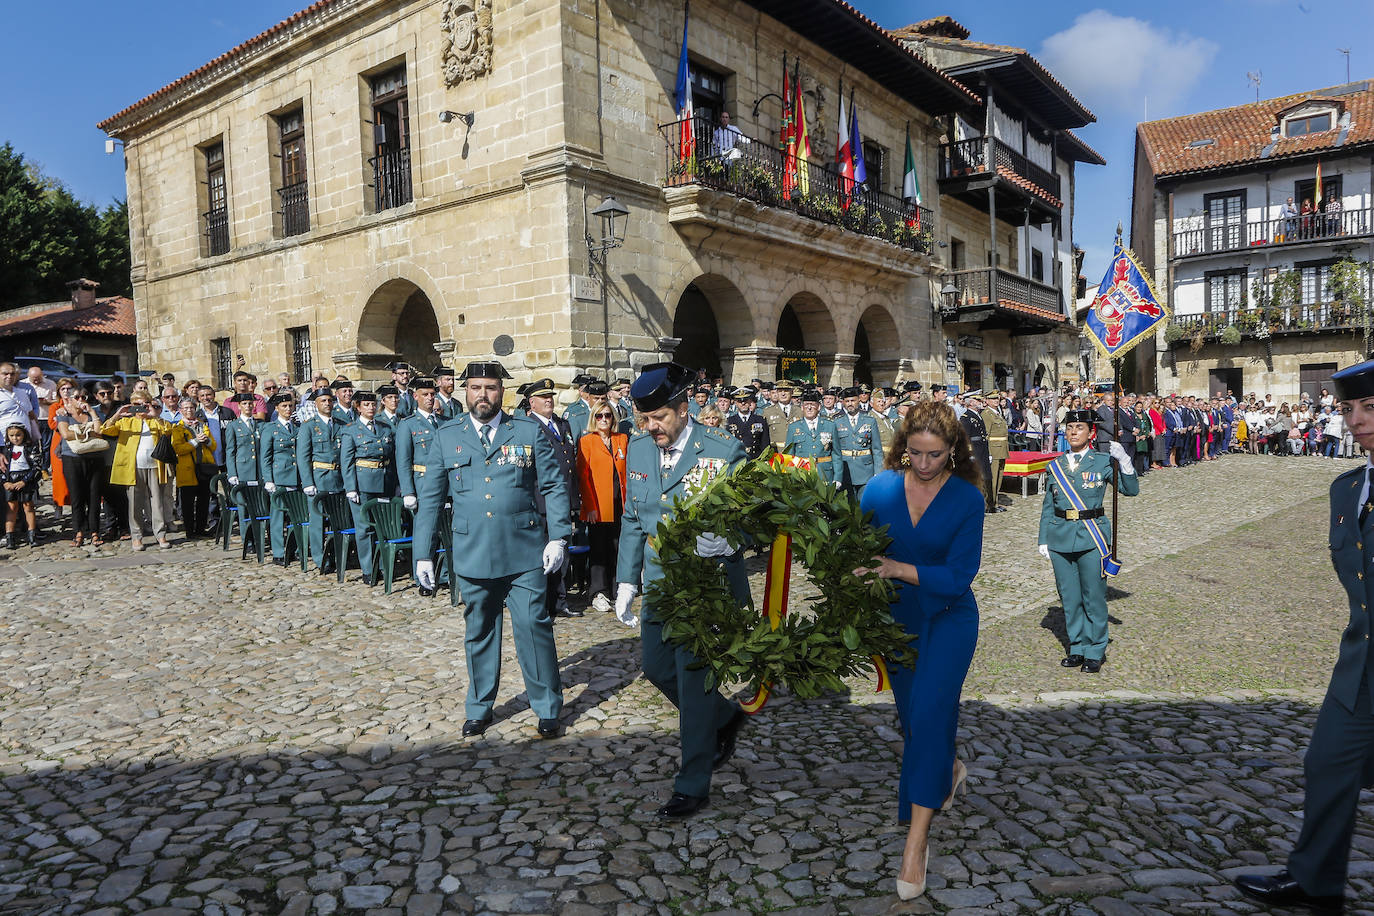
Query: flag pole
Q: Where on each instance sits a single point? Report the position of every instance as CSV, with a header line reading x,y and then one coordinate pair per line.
x,y
1116,433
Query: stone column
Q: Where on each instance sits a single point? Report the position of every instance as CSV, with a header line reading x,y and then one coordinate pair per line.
x,y
836,369
892,371
744,363
445,350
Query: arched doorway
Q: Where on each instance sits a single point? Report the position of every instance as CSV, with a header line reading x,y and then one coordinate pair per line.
x,y
711,320
398,323
806,336
878,346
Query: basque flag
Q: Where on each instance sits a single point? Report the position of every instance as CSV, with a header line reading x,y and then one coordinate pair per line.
x,y
683,96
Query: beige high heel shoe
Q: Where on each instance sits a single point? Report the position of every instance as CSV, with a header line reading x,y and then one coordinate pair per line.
x,y
906,890
960,781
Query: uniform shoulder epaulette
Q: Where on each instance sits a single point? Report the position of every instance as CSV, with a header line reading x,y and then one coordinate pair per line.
x,y
719,433
1353,472
638,434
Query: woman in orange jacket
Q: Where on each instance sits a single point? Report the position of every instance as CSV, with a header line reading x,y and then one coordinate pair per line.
x,y
601,481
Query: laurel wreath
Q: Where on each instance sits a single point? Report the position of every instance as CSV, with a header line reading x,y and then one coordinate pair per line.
x,y
814,648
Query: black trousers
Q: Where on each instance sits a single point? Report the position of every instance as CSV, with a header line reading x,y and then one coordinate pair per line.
x,y
1338,763
84,474
195,507
116,501
604,540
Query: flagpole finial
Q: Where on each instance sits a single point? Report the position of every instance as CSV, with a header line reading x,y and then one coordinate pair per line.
x,y
1118,232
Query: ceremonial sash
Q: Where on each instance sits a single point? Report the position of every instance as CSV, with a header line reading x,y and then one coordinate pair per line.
x,y
1110,566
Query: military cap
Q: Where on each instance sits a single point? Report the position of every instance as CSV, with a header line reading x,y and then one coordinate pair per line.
x,y
598,388
834,390
812,395
864,389
936,388
624,381
765,386
244,398
785,384
745,393
756,381
660,384
276,399
1080,416
364,397
397,366
975,393
440,371
340,383
849,393
385,390
423,382
321,393
543,387
485,369
582,379
888,392
911,385
1355,382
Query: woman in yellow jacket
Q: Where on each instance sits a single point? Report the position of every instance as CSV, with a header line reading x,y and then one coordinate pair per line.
x,y
195,448
138,425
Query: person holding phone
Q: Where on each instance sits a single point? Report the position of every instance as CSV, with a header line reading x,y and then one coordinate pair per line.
x,y
138,425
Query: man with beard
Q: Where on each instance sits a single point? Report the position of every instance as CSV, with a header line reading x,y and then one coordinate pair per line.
x,y
860,445
490,466
447,403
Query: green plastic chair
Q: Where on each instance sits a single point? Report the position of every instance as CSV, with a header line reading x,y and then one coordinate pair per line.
x,y
297,531
340,530
443,555
228,510
258,516
385,517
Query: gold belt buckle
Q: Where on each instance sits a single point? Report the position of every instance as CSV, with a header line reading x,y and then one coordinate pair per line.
x,y
1071,515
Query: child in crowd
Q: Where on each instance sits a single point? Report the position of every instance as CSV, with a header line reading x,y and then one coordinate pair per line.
x,y
22,470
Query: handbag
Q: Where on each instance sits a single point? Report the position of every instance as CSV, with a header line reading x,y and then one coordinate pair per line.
x,y
163,450
87,439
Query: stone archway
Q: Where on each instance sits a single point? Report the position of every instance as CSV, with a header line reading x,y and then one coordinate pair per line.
x,y
879,348
711,321
398,323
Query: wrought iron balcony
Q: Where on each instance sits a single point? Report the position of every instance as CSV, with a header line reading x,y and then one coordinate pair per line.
x,y
1303,229
216,231
1264,322
391,178
757,170
295,209
986,155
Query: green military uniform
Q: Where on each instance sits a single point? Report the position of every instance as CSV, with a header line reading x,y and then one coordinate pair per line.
x,y
317,463
365,461
241,450
277,466
860,444
577,415
1074,554
998,450
819,444
414,442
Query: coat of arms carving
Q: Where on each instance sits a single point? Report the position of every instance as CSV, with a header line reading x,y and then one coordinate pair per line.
x,y
467,39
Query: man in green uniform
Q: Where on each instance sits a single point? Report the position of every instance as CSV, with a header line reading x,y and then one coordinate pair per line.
x,y
579,412
1074,535
366,449
414,440
490,466
277,464
860,444
998,450
241,450
317,463
343,404
1338,761
813,436
672,451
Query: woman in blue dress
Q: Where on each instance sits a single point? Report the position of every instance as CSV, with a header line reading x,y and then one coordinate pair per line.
x,y
928,496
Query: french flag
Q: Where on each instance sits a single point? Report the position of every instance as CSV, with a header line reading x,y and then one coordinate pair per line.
x,y
683,96
844,157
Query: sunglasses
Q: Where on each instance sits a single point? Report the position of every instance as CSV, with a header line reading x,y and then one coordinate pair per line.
x,y
605,416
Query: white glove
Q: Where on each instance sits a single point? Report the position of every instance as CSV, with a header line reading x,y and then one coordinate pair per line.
x,y
233,481
424,573
624,597
310,491
713,545
554,554
410,502
1123,460
270,487
352,496
1044,550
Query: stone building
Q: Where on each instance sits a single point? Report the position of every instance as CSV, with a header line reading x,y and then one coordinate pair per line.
x,y
367,181
1265,300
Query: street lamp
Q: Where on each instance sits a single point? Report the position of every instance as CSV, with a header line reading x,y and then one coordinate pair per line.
x,y
949,307
614,219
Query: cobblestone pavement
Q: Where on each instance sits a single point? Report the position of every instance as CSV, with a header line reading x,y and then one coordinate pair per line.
x,y
181,732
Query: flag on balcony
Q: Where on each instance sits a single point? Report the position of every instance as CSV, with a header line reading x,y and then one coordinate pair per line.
x,y
683,96
1125,310
1317,192
844,156
789,135
856,146
802,159
911,186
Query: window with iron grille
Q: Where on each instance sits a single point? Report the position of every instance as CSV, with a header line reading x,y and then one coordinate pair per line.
x,y
391,139
217,216
301,369
221,358
295,200
1315,276
1225,214
1225,290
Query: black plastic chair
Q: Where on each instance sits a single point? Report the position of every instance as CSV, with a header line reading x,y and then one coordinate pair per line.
x,y
258,514
443,556
384,515
228,510
334,507
297,523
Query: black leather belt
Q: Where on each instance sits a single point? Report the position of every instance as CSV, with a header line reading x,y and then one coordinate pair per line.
x,y
1079,514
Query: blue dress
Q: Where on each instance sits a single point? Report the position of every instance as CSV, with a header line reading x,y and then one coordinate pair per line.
x,y
946,547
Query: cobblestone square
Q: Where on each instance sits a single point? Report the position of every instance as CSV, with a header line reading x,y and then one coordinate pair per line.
x,y
187,733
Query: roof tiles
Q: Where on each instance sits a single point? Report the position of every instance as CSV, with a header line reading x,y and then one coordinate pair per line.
x,y
113,316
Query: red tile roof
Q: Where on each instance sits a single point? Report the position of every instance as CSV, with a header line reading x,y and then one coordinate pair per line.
x,y
113,316
1026,184
1033,310
1241,134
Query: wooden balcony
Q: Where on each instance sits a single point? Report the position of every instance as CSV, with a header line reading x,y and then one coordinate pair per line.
x,y
1308,318
969,168
1305,229
998,298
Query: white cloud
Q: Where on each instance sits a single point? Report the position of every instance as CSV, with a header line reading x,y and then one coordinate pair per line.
x,y
1114,63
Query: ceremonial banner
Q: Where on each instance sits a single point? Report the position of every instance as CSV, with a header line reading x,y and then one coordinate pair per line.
x,y
682,97
1125,310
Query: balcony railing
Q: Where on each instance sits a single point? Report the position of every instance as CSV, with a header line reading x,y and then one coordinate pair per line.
x,y
216,231
1303,229
988,285
753,169
978,155
1286,319
295,209
391,178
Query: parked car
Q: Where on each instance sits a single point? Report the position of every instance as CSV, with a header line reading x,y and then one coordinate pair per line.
x,y
56,369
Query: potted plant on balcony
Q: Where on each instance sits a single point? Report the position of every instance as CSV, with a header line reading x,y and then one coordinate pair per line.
x,y
1347,286
1174,332
1230,335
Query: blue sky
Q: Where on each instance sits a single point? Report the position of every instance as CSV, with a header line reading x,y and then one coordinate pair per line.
x,y
1167,57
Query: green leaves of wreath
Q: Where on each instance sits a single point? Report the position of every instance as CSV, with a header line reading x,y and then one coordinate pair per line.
x,y
814,648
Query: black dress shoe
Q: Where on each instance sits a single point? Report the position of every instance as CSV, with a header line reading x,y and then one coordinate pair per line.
x,y
567,612
1092,665
426,592
1071,661
680,806
367,580
476,726
279,561
1282,890
550,728
726,737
